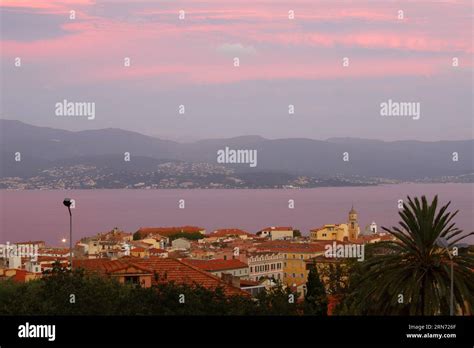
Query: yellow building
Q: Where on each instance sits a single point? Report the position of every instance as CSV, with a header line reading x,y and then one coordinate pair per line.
x,y
294,257
340,232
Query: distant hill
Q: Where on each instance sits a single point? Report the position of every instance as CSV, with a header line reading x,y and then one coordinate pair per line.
x,y
402,160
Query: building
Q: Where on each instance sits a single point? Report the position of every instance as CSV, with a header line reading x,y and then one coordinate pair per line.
x,y
17,275
371,229
155,270
181,244
111,244
218,267
264,264
293,256
32,244
276,233
139,252
158,252
230,233
340,232
252,287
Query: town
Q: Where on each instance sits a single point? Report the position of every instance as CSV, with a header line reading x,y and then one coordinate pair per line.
x,y
238,261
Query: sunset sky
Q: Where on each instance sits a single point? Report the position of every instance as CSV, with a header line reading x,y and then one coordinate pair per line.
x,y
282,61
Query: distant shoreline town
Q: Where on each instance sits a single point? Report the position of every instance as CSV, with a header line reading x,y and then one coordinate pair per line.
x,y
47,158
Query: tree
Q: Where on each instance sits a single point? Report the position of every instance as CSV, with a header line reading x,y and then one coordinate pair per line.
x,y
187,235
411,275
336,277
277,300
315,302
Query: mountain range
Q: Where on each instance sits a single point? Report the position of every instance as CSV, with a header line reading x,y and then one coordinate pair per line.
x,y
42,147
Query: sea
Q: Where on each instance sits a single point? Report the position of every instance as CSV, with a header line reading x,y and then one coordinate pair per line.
x,y
40,215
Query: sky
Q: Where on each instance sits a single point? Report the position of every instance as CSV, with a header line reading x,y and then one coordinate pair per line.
x,y
397,50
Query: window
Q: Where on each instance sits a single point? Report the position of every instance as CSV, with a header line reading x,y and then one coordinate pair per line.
x,y
251,269
302,275
301,256
294,275
294,256
132,280
225,257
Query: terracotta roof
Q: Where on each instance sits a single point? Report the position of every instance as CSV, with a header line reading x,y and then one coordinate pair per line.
x,y
109,266
224,232
156,250
53,250
325,226
288,247
169,270
51,258
19,275
137,250
246,282
216,264
31,242
180,272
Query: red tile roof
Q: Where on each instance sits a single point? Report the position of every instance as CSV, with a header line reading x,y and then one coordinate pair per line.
x,y
247,282
216,264
30,242
180,272
169,270
157,251
288,247
20,275
51,258
325,226
107,266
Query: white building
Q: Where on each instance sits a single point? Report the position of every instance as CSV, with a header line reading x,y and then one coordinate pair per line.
x,y
277,233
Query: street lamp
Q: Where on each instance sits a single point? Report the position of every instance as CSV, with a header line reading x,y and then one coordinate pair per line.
x,y
67,202
443,242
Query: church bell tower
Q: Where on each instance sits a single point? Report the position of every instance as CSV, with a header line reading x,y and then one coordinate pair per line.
x,y
353,225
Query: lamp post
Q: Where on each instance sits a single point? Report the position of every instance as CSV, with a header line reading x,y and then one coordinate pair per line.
x,y
67,202
442,242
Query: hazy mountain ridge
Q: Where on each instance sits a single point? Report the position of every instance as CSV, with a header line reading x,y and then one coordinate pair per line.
x,y
41,147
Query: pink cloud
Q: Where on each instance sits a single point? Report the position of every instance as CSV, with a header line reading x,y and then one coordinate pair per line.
x,y
184,52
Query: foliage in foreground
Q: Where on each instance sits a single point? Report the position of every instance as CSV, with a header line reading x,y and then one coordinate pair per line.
x,y
411,276
96,295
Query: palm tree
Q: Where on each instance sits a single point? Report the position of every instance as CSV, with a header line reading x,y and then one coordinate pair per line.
x,y
411,274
